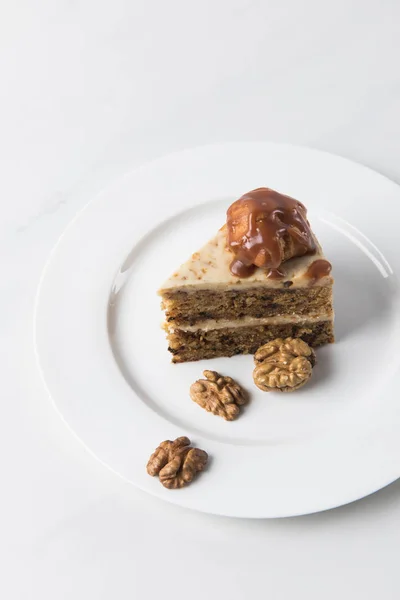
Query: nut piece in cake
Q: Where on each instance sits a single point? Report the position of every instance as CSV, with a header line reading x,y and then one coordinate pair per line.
x,y
176,463
219,395
283,365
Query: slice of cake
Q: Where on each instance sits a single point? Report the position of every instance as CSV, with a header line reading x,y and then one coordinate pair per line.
x,y
262,276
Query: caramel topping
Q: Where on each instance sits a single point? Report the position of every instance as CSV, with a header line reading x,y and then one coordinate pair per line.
x,y
318,269
275,274
266,228
240,269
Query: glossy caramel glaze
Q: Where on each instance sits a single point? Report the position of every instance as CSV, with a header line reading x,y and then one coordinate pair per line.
x,y
265,228
318,269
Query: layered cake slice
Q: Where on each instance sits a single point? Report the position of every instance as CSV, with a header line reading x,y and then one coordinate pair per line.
x,y
262,276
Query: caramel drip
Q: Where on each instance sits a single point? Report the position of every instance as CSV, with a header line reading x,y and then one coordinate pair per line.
x,y
240,269
266,228
318,269
275,274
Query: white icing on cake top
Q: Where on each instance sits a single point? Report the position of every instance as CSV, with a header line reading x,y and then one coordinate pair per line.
x,y
208,268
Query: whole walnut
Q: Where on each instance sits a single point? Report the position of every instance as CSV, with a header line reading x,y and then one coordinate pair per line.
x,y
283,365
176,463
218,394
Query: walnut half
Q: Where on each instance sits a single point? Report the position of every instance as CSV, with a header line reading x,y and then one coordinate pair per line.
x,y
283,365
219,395
176,463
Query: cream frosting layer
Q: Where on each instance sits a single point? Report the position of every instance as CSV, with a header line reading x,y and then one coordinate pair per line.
x,y
211,324
209,269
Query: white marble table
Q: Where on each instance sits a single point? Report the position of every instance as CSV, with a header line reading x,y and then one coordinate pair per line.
x,y
89,89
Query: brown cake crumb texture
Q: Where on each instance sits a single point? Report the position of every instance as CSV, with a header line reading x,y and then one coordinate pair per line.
x,y
188,308
188,346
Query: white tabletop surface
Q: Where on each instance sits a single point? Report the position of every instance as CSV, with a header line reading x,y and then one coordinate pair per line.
x,y
89,89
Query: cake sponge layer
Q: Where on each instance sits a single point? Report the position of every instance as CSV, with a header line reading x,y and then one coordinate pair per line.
x,y
188,308
188,345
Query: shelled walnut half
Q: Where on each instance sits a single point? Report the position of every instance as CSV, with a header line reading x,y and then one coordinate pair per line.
x,y
176,463
283,365
219,395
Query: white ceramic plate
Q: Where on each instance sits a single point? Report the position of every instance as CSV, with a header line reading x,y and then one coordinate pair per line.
x,y
104,357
